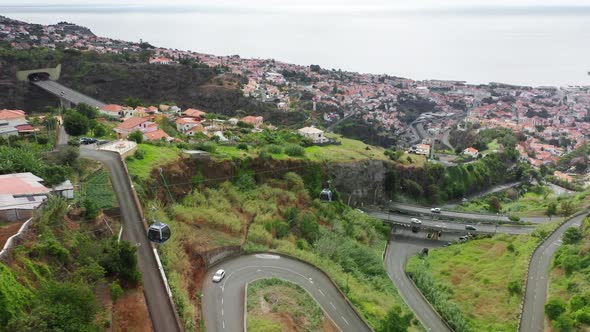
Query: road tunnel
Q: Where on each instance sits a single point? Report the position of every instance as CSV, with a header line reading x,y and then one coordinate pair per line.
x,y
40,76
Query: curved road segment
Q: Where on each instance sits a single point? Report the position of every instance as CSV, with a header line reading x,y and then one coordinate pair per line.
x,y
161,311
450,226
533,314
398,251
223,303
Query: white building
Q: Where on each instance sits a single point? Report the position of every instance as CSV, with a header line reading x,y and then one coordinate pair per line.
x,y
314,134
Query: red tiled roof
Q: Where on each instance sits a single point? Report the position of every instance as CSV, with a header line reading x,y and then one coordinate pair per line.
x,y
131,123
156,135
21,184
11,114
194,113
112,108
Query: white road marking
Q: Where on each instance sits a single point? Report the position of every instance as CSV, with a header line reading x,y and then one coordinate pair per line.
x,y
332,304
221,311
223,324
222,300
344,319
267,256
322,292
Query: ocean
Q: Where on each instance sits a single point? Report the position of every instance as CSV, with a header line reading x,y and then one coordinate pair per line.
x,y
526,46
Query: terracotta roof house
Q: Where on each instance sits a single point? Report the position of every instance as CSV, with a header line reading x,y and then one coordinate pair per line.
x,y
20,194
256,121
113,110
471,151
193,113
13,117
157,135
185,124
161,61
132,124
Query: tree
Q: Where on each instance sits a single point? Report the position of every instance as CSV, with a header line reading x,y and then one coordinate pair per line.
x,y
494,204
563,323
554,307
572,235
395,321
136,136
567,208
91,209
132,102
551,209
87,110
75,123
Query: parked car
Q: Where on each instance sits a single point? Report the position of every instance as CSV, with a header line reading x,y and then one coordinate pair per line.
x,y
86,140
415,221
470,228
435,210
463,238
219,275
359,211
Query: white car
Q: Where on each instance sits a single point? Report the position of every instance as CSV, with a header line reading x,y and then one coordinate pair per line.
x,y
435,210
415,221
219,275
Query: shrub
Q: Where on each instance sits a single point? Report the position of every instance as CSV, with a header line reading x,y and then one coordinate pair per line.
x,y
242,146
136,137
274,149
554,307
572,235
116,291
91,209
294,150
563,323
263,155
514,218
583,316
139,154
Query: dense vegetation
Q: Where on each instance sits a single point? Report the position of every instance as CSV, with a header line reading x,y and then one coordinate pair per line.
x,y
49,283
273,301
477,285
568,306
435,183
24,155
280,215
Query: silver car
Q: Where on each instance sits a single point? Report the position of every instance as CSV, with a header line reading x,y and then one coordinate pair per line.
x,y
219,275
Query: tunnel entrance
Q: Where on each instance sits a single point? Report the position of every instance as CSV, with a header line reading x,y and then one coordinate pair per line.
x,y
35,77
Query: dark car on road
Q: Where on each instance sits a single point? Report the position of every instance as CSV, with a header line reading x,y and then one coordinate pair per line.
x,y
87,141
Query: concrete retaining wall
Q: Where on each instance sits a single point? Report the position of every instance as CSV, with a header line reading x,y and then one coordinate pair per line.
x,y
215,256
10,243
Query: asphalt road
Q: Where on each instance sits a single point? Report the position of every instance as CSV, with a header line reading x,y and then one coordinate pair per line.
x,y
464,215
223,303
72,96
399,249
533,314
451,226
62,137
161,311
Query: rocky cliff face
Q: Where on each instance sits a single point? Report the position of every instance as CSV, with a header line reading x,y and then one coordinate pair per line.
x,y
359,183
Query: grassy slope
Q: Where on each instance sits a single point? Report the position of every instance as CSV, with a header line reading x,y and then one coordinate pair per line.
x,y
97,187
274,303
349,150
476,275
153,157
214,217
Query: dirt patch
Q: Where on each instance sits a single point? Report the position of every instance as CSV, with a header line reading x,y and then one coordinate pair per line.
x,y
328,326
8,231
130,313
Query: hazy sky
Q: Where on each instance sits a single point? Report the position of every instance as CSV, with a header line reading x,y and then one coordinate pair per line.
x,y
333,4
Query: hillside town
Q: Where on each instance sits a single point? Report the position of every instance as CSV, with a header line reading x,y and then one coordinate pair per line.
x,y
555,120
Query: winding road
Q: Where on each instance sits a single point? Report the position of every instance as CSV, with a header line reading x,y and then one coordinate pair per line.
x,y
400,247
162,312
223,303
533,314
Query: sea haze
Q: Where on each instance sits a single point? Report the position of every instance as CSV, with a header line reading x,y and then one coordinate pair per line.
x,y
518,45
